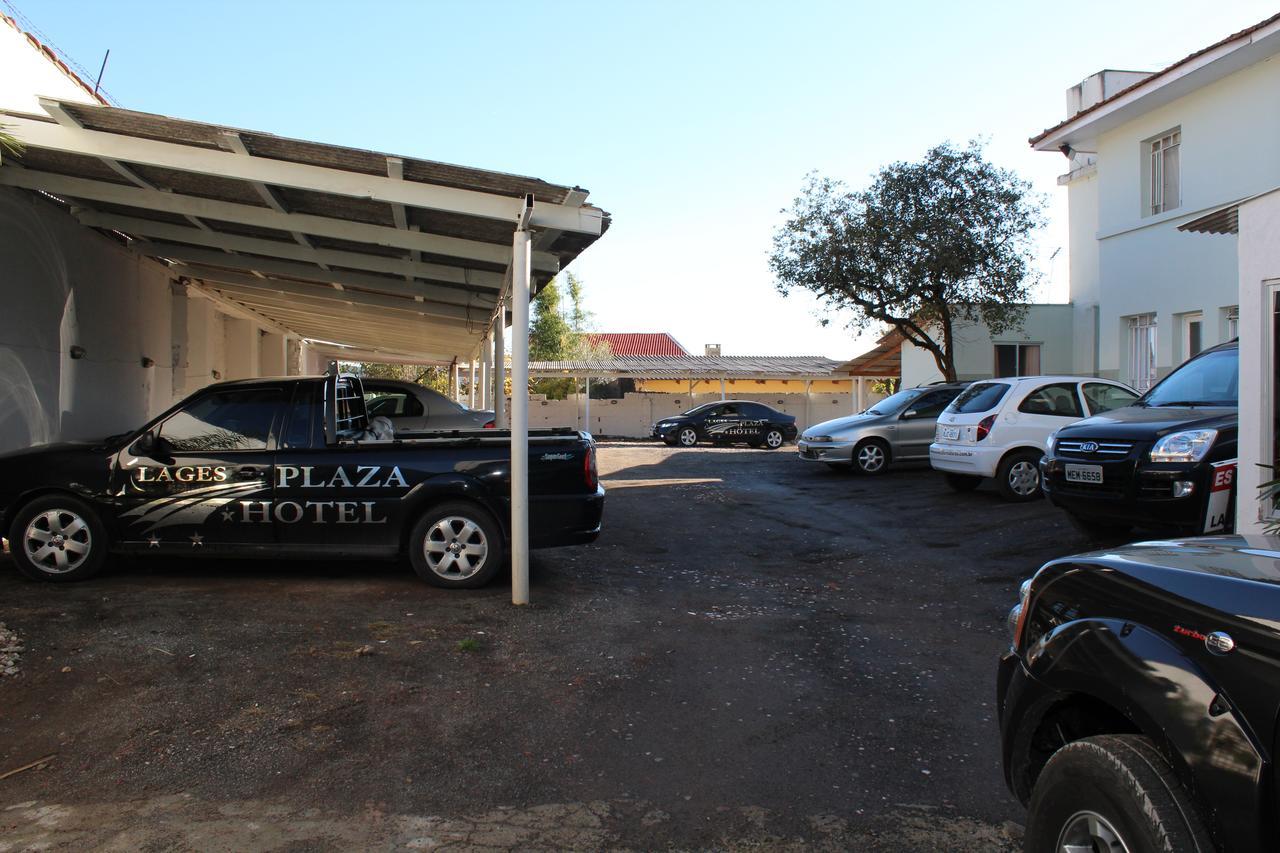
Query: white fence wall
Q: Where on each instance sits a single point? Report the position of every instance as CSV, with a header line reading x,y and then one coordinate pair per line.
x,y
634,415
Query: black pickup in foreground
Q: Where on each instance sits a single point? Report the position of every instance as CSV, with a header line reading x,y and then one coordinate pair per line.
x,y
292,467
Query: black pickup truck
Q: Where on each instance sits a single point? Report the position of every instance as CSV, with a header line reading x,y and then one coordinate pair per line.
x,y
292,467
1140,700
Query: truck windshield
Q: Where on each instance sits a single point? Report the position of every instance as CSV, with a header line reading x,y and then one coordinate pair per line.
x,y
1213,379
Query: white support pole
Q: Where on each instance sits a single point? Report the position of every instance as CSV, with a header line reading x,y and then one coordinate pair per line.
x,y
722,396
808,421
486,370
587,417
453,380
859,404
500,369
471,384
521,249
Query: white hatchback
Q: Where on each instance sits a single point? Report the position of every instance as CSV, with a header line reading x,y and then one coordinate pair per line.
x,y
998,428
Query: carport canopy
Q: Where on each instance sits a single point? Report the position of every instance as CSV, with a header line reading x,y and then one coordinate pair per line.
x,y
365,256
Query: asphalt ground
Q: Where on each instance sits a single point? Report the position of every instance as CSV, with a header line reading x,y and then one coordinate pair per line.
x,y
759,653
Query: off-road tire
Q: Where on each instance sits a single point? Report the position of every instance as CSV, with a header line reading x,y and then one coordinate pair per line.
x,y
86,547
429,542
1124,780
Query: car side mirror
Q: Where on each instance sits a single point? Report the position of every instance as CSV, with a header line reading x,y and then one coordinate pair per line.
x,y
146,444
909,414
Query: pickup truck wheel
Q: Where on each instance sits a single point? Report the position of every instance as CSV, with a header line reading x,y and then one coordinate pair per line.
x,y
456,545
688,437
1018,476
1114,793
58,538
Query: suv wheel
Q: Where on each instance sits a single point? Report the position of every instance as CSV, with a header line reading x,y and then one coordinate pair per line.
x,y
58,538
456,545
1019,476
1112,792
687,437
871,457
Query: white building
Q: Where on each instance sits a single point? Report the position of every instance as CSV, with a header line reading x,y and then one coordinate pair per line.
x,y
1148,153
1040,344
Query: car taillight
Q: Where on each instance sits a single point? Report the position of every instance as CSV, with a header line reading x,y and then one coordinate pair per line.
x,y
984,427
589,473
490,424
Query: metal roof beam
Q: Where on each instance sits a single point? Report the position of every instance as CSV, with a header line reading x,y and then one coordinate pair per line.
x,y
242,283
244,214
304,176
194,257
290,251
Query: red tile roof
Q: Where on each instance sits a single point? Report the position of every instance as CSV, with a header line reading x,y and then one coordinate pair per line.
x,y
1246,32
639,343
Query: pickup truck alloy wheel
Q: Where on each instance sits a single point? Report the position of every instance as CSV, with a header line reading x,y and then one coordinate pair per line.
x,y
688,437
871,457
773,439
57,538
456,545
1112,793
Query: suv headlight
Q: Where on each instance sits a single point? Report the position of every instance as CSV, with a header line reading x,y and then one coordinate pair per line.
x,y
1187,446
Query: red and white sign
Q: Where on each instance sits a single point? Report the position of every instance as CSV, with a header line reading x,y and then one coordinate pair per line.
x,y
1221,486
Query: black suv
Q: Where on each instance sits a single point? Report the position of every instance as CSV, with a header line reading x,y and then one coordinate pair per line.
x,y
1139,700
1167,461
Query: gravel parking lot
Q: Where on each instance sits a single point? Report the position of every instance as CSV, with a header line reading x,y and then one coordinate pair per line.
x,y
757,653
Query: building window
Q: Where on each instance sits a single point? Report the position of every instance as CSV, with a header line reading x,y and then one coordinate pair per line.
x,y
1192,335
1017,360
1142,351
1164,189
1231,322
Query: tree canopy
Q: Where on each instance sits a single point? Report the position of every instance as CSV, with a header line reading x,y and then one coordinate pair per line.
x,y
557,333
929,243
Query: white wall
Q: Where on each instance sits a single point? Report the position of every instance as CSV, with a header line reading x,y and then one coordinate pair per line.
x,y
1259,268
65,285
25,74
1229,132
634,415
1047,325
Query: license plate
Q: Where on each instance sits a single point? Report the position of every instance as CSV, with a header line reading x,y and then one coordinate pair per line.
x,y
1084,473
949,433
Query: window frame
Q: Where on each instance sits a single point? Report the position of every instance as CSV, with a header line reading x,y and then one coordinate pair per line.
x,y
1018,361
1134,324
1157,150
1084,395
273,431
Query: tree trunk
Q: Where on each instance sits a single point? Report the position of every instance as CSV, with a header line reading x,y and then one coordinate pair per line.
x,y
944,356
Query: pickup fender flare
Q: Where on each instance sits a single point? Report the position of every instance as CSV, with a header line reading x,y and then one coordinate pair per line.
x,y
1144,676
449,486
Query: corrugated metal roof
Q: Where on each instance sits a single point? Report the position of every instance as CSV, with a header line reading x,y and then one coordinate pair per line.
x,y
1225,220
882,360
639,343
694,367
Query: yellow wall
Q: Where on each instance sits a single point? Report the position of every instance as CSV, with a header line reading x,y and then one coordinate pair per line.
x,y
744,386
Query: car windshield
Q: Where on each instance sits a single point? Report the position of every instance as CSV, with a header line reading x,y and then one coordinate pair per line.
x,y
979,397
696,409
1213,379
897,401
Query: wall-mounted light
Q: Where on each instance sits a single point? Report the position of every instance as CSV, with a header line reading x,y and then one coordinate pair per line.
x,y
78,352
216,374
148,362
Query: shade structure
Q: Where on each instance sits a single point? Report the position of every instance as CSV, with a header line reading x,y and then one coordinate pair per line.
x,y
353,250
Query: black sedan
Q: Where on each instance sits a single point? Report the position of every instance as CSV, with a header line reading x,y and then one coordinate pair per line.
x,y
728,421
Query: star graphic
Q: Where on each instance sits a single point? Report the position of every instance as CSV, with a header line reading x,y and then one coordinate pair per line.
x,y
154,541
197,541
227,515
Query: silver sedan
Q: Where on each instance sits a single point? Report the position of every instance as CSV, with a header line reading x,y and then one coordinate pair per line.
x,y
415,408
897,429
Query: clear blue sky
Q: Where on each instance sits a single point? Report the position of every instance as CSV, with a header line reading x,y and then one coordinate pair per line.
x,y
693,123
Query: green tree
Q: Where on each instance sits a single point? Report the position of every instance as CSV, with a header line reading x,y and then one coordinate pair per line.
x,y
931,243
560,333
434,377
